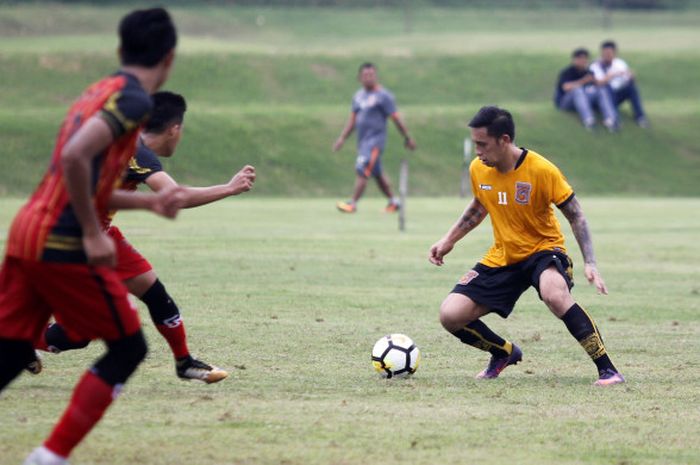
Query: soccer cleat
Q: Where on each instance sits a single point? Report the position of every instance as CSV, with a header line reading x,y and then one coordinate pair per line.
x,y
346,207
392,207
43,456
608,378
35,366
498,364
191,368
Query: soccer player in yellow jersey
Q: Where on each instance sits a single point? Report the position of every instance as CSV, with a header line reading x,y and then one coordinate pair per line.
x,y
517,187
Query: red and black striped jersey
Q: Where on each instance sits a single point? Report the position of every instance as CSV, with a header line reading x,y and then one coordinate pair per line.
x,y
46,228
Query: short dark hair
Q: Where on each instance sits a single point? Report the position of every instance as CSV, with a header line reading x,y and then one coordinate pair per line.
x,y
497,122
146,37
366,65
609,44
168,108
580,52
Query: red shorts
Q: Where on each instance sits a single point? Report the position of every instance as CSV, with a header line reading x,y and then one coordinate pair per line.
x,y
90,302
130,263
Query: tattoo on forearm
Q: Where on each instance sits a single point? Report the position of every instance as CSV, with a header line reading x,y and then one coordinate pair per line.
x,y
471,218
573,212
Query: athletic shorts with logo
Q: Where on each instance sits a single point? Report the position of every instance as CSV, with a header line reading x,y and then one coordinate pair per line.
x,y
369,163
500,288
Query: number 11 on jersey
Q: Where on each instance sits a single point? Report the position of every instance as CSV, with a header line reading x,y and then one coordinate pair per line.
x,y
502,199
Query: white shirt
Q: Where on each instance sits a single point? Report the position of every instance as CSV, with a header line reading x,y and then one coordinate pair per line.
x,y
618,65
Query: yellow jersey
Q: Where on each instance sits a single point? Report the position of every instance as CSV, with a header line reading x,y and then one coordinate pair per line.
x,y
520,205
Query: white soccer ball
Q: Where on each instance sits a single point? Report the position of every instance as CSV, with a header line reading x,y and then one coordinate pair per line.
x,y
395,356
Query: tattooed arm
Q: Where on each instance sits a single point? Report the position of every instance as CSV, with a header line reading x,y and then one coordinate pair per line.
x,y
579,225
470,219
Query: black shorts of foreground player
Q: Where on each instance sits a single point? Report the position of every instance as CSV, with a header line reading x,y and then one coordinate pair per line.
x,y
517,187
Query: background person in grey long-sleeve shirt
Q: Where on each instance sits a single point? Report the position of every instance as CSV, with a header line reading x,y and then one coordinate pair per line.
x,y
371,106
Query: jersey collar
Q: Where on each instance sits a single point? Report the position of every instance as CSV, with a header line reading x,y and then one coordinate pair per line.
x,y
520,161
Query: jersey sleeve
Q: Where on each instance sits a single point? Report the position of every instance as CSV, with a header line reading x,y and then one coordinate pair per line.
x,y
142,166
560,189
388,104
354,105
126,109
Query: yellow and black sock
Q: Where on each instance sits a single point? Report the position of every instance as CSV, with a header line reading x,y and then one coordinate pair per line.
x,y
583,328
477,334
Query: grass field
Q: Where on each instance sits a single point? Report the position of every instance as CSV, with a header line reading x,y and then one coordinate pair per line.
x,y
272,87
291,296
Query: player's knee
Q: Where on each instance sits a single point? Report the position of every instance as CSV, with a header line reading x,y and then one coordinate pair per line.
x,y
122,358
57,340
555,297
133,350
450,317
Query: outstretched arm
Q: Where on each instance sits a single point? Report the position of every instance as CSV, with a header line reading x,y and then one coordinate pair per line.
x,y
470,219
347,130
166,202
579,225
409,143
197,196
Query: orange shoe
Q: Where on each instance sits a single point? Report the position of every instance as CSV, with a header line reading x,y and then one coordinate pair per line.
x,y
346,207
391,208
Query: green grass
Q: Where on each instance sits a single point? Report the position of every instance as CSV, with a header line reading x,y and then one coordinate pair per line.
x,y
291,295
297,294
277,95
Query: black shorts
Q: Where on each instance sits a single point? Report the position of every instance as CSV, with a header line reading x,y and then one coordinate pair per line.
x,y
499,288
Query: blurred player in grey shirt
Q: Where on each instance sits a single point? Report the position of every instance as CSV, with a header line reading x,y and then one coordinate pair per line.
x,y
371,106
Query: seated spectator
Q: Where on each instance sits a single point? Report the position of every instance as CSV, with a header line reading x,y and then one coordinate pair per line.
x,y
577,91
613,73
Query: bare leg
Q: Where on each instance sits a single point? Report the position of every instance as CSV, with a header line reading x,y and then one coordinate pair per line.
x,y
458,310
360,184
460,315
385,186
555,293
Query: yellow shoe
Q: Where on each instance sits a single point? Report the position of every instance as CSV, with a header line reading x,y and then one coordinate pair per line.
x,y
346,207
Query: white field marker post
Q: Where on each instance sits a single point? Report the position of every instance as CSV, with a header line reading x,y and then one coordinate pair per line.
x,y
464,181
403,193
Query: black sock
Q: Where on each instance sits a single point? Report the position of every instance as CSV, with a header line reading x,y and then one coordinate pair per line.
x,y
14,357
583,329
161,306
477,334
166,316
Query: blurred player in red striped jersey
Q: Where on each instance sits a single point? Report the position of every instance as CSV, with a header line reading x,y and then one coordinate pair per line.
x,y
159,138
59,260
